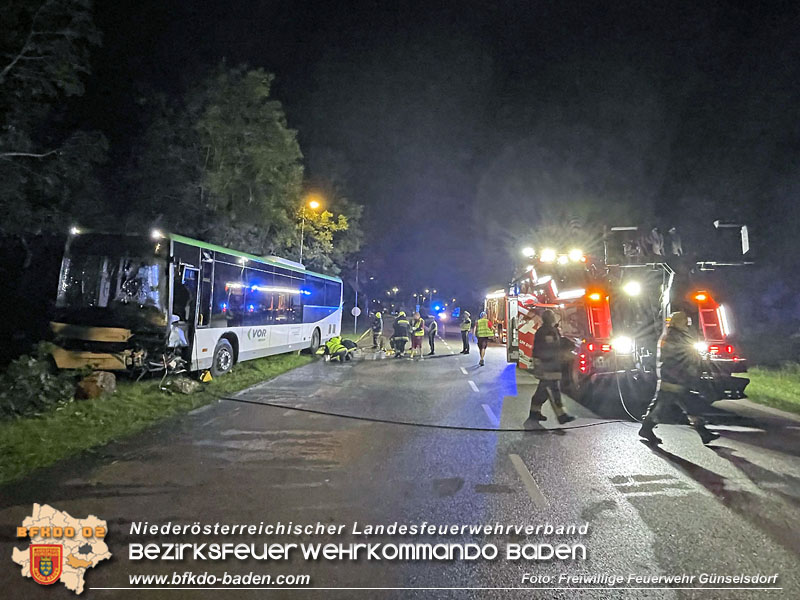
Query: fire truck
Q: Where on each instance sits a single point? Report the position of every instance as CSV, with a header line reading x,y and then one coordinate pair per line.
x,y
571,285
648,286
612,311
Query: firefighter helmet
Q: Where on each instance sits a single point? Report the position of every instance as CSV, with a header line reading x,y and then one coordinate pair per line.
x,y
679,320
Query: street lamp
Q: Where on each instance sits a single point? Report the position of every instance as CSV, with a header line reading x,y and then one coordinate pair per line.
x,y
314,202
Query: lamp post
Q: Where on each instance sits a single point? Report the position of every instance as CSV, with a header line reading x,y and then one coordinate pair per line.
x,y
313,204
355,312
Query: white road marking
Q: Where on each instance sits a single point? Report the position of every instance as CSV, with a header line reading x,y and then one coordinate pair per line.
x,y
528,481
473,386
288,412
464,371
490,413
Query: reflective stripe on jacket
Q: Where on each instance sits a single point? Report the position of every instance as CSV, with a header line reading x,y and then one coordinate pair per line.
x,y
334,345
466,324
483,329
401,328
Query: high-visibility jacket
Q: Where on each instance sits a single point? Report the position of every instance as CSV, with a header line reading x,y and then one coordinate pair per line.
x,y
483,328
466,324
334,345
419,327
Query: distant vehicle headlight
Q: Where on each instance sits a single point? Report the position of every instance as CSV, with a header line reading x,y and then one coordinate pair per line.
x,y
622,345
701,347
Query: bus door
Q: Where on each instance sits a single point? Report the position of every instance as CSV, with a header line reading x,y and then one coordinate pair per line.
x,y
206,281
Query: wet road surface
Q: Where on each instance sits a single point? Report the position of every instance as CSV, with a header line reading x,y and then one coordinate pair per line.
x,y
441,444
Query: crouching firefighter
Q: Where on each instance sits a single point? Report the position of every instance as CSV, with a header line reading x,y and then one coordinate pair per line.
x,y
400,334
338,349
547,356
679,366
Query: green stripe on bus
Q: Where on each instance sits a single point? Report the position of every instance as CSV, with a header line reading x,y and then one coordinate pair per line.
x,y
192,242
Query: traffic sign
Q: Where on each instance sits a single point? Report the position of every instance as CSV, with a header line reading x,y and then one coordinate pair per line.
x,y
356,311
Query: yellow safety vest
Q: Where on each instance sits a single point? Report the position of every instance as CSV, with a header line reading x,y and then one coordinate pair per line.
x,y
421,331
466,325
483,329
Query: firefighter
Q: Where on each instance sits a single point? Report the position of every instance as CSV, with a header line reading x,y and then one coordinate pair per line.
x,y
547,367
484,329
417,333
400,334
433,329
377,331
466,325
679,367
338,349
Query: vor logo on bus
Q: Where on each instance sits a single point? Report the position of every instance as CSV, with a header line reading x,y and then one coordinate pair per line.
x,y
257,334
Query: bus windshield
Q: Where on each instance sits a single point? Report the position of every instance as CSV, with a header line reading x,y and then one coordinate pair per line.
x,y
113,281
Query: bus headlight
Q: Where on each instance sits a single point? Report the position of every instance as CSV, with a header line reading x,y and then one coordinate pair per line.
x,y
622,344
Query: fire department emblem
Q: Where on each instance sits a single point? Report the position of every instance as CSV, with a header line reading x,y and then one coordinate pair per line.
x,y
46,562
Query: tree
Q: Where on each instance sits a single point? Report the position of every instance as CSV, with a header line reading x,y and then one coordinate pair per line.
x,y
45,169
222,164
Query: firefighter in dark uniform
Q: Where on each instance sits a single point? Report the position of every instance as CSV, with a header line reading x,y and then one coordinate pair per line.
x,y
433,329
400,334
679,366
377,331
466,325
547,357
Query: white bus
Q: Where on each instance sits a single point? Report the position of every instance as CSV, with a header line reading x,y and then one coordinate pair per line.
x,y
145,303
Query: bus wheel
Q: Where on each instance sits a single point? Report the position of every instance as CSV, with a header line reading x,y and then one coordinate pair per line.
x,y
316,340
223,358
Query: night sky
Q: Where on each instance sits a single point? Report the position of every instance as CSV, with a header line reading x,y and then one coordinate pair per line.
x,y
462,125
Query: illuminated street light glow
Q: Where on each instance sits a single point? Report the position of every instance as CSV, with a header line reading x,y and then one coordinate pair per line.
x,y
74,230
156,234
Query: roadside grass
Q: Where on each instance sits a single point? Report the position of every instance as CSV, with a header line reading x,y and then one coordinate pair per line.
x,y
775,387
34,442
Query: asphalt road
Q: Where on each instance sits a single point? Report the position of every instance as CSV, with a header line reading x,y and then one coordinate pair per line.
x,y
457,457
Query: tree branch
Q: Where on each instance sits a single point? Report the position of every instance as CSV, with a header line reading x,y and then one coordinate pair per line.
x,y
24,48
28,154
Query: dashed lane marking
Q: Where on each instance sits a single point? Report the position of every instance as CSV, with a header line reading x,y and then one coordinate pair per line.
x,y
528,481
490,413
473,386
464,371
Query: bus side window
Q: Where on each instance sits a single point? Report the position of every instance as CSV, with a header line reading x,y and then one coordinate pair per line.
x,y
228,303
